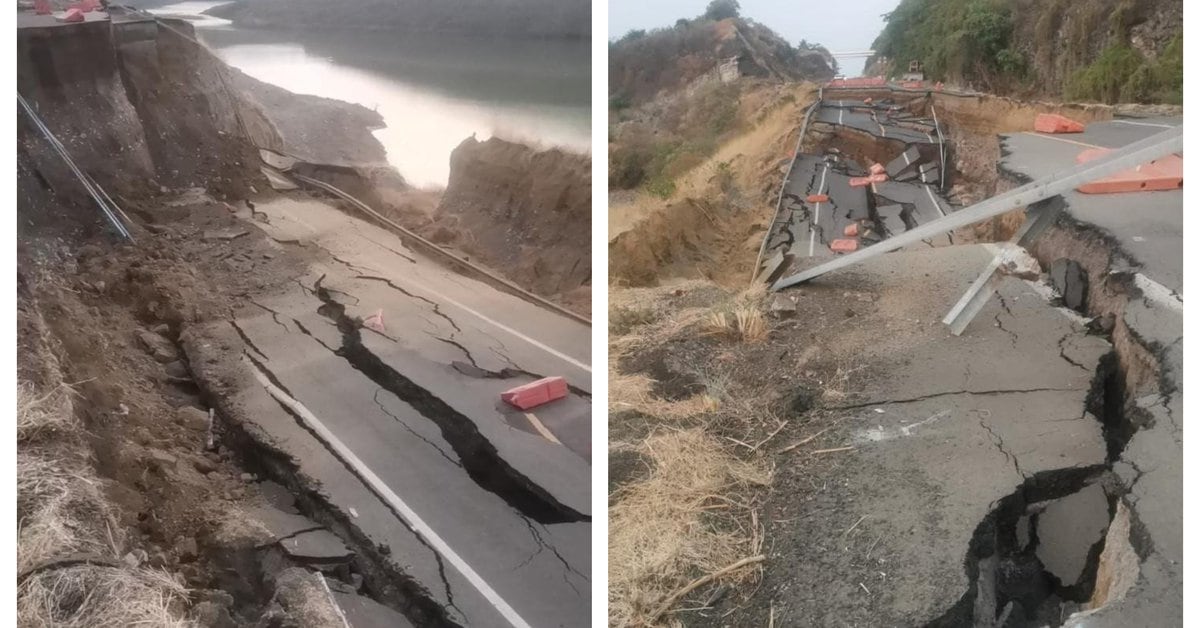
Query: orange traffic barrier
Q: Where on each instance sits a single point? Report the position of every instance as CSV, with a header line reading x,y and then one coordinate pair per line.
x,y
1054,123
859,182
73,15
817,198
42,7
878,169
851,230
534,394
879,177
843,245
1158,175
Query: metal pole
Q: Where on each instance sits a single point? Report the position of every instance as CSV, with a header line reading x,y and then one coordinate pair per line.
x,y
1151,148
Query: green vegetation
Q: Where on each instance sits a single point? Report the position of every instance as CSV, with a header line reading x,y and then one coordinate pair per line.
x,y
691,133
951,38
1046,47
722,9
1122,74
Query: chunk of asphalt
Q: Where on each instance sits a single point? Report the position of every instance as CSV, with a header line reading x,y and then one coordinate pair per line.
x,y
278,496
318,548
1071,281
1068,529
363,612
281,524
905,162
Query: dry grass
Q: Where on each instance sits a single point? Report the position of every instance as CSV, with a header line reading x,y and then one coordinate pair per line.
x,y
688,518
99,597
632,392
62,512
742,319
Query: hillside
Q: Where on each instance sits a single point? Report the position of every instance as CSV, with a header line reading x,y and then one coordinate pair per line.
x,y
504,18
643,65
1101,50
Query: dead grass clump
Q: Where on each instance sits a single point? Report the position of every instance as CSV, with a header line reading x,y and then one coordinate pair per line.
x,y
632,392
90,596
684,520
43,416
744,322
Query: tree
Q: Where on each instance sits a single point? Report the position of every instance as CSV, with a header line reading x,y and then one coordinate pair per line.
x,y
722,9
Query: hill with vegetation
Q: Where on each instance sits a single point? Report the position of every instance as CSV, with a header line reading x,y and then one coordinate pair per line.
x,y
1099,50
645,64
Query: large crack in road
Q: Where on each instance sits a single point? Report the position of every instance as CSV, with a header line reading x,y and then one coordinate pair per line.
x,y
478,456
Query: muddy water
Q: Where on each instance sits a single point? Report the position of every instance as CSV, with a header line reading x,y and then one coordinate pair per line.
x,y
433,91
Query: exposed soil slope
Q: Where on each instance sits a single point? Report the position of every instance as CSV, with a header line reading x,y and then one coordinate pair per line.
x,y
524,212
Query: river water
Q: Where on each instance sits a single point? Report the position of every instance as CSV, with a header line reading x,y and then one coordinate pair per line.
x,y
433,91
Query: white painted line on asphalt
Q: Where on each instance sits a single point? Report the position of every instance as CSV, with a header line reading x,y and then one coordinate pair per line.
x,y
1158,293
516,334
936,205
812,227
841,114
1131,122
377,486
541,428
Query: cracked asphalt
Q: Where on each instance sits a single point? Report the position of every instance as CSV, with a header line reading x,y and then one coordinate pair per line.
x,y
418,401
943,429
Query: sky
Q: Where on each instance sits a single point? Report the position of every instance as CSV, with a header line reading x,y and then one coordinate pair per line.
x,y
835,24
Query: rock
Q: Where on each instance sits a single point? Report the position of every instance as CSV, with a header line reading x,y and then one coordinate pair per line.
x,y
187,550
213,615
161,329
135,558
204,465
192,418
1071,281
247,477
163,460
176,368
782,306
162,349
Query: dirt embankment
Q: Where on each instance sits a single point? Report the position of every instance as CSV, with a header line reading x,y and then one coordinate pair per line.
x,y
134,506
710,226
524,212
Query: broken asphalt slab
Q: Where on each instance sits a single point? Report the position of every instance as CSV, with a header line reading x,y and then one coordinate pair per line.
x,y
943,428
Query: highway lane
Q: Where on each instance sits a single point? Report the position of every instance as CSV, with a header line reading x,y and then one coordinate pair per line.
x,y
1147,225
417,401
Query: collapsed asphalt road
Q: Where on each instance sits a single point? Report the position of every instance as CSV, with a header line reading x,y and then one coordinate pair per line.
x,y
486,509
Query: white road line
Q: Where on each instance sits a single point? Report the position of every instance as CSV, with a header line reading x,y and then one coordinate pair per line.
x,y
812,227
936,205
377,486
841,113
1131,122
502,326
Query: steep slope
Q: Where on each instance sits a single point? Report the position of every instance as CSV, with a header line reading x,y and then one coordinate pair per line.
x,y
642,66
1103,50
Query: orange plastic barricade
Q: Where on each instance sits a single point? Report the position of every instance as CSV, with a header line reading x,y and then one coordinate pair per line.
x,y
1159,175
73,15
878,169
817,198
878,177
851,230
534,394
843,245
1054,123
42,7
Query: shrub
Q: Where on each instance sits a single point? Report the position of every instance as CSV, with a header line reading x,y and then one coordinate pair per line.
x,y
722,9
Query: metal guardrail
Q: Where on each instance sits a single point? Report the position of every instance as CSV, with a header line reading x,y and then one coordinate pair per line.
x,y
762,249
1140,152
102,199
941,147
